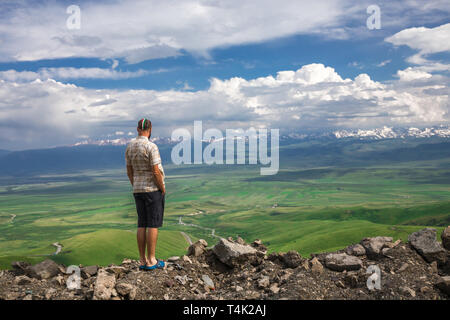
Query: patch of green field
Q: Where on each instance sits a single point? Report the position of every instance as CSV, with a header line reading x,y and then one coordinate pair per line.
x,y
107,246
101,247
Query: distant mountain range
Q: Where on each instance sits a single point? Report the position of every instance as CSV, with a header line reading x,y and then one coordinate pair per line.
x,y
389,133
330,148
377,133
119,142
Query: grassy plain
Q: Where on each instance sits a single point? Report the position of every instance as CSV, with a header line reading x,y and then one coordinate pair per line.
x,y
304,207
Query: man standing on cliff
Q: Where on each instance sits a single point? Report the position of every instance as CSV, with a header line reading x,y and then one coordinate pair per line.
x,y
146,175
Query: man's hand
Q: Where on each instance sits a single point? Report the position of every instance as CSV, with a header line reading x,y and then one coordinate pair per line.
x,y
159,179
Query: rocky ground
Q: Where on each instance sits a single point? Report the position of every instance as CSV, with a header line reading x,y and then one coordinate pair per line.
x,y
232,269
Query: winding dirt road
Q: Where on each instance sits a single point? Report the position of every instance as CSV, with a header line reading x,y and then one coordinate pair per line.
x,y
58,248
213,231
188,239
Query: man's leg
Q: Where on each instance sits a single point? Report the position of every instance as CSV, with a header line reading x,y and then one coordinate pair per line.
x,y
152,237
141,241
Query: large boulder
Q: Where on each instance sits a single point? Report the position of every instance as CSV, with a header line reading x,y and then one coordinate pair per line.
x,y
342,261
43,270
104,285
445,236
425,243
231,253
374,246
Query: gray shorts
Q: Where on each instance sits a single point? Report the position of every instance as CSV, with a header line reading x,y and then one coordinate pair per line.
x,y
150,209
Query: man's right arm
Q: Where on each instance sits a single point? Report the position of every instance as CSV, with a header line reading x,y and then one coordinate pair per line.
x,y
130,172
158,178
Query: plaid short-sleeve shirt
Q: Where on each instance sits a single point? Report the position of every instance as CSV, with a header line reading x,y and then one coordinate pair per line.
x,y
142,154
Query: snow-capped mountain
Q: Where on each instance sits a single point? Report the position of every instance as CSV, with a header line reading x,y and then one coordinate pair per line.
x,y
369,134
390,133
119,141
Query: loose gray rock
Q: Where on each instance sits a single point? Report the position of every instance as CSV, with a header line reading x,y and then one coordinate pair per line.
x,y
291,259
355,250
425,243
20,265
117,270
197,249
208,282
274,288
263,282
49,293
21,280
305,265
258,245
126,290
186,259
89,271
182,279
231,253
316,266
342,261
173,259
44,270
104,285
373,246
257,242
403,267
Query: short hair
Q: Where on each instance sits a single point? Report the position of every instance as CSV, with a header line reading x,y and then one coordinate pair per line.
x,y
144,124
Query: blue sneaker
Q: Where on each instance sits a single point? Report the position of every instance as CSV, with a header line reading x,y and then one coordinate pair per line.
x,y
159,265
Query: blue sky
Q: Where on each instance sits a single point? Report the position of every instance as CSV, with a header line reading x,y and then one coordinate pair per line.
x,y
347,56
281,64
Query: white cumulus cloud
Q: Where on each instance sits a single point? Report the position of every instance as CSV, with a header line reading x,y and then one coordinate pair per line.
x,y
42,113
410,74
138,30
71,73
